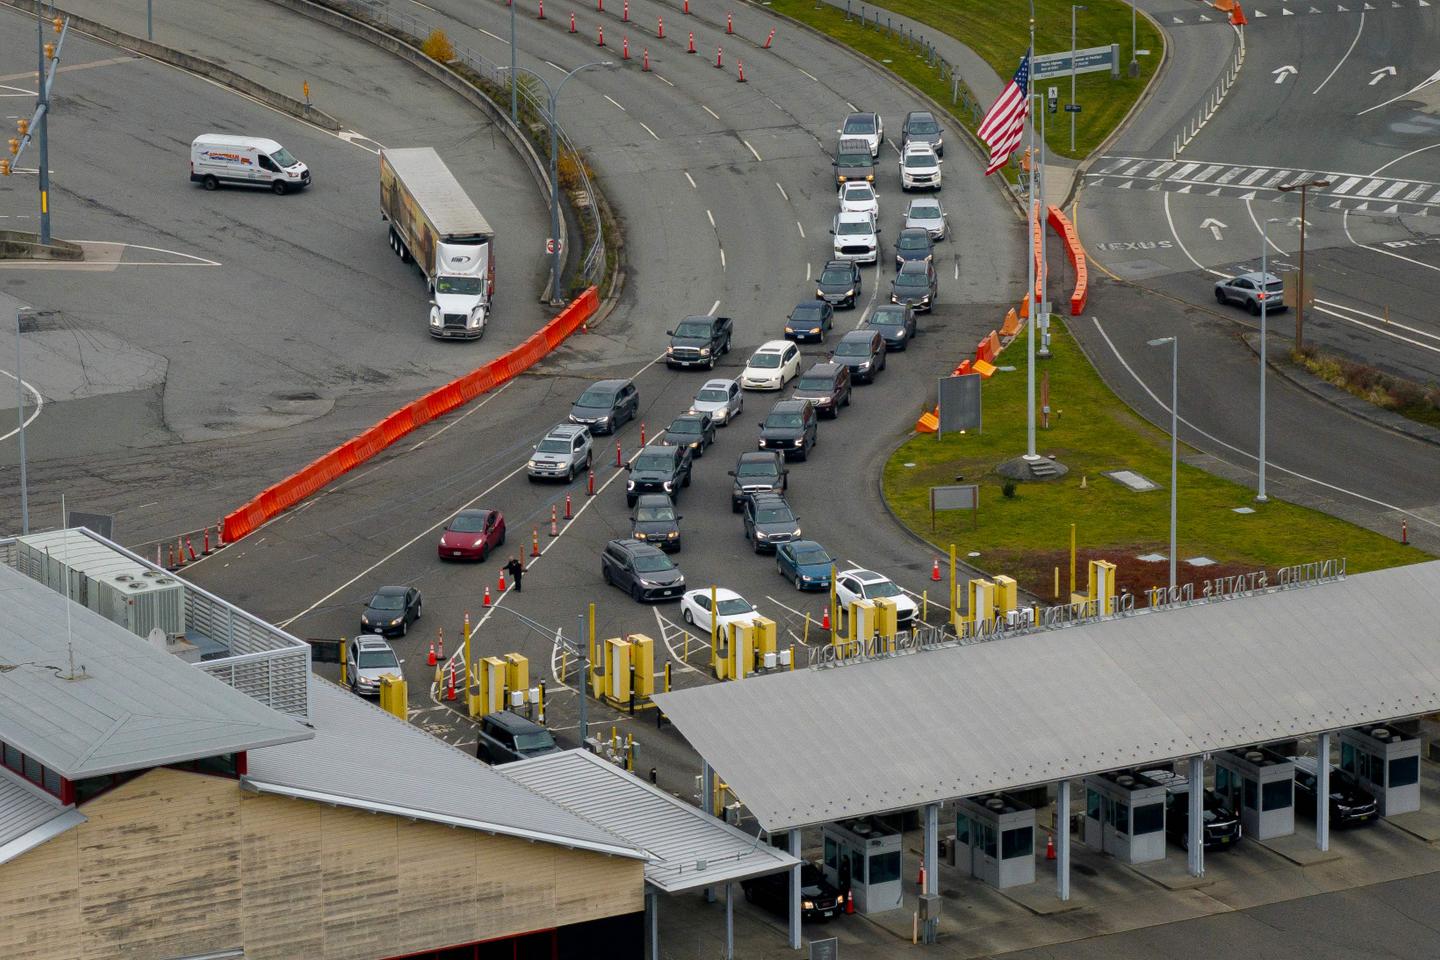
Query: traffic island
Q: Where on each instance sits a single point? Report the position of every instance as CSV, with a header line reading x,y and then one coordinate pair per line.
x,y
17,245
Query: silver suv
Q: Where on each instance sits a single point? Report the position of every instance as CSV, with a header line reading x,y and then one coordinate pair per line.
x,y
367,659
564,452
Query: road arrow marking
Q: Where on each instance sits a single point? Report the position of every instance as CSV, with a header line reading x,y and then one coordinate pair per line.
x,y
1282,72
1249,196
1214,226
1418,87
1380,74
1340,9
1177,20
1205,18
1285,12
1296,221
1259,13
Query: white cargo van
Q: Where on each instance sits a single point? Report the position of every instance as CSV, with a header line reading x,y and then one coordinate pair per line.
x,y
217,158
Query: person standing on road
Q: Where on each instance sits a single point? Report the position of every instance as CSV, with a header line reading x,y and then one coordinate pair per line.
x,y
516,569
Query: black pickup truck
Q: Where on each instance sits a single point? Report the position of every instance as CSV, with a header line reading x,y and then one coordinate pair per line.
x,y
699,342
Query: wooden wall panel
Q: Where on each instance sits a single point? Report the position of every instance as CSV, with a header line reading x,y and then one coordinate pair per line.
x,y
40,902
358,880
281,866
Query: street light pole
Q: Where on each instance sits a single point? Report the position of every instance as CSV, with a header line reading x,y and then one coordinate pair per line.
x,y
514,77
1260,496
1300,295
1073,8
1174,344
1134,59
43,111
20,427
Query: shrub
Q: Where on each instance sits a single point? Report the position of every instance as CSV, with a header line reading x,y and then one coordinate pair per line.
x,y
1406,394
437,46
1007,489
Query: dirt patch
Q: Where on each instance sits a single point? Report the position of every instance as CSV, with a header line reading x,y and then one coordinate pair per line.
x,y
1037,570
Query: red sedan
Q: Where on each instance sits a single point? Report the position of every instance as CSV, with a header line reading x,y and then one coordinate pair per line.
x,y
472,534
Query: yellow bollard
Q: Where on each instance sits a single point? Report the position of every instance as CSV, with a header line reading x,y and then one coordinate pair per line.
x,y
805,637
1072,558
466,664
1057,581
792,656
925,604
343,681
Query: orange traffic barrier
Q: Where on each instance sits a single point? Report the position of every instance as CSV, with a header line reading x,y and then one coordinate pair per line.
x,y
985,368
1025,308
929,421
1061,225
994,341
1039,229
285,493
963,369
1011,326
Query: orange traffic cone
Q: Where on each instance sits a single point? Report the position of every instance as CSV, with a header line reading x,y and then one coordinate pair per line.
x,y
935,571
825,620
487,596
501,586
1050,847
450,685
1237,17
430,660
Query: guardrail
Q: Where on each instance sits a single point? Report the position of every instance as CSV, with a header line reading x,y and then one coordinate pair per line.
x,y
1213,99
1062,225
283,495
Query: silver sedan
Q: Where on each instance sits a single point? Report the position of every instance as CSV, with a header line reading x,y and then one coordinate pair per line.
x,y
927,214
721,399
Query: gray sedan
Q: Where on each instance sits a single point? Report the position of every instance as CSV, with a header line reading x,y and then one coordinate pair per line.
x,y
721,399
1248,291
926,214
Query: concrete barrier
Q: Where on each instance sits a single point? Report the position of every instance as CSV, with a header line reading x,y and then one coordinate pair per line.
x,y
15,245
186,61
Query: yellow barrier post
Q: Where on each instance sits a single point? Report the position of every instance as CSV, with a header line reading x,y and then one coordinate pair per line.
x,y
466,639
954,596
834,610
805,637
714,620
792,656
344,644
925,604
1072,558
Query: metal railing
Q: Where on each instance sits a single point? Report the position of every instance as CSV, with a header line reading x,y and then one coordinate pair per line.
x,y
497,76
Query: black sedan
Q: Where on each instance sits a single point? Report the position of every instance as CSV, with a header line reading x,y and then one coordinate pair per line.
x,y
839,283
1350,804
913,243
693,430
915,284
656,522
819,899
391,611
896,323
810,320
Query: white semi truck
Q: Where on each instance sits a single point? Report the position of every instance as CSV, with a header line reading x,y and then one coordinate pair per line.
x,y
435,223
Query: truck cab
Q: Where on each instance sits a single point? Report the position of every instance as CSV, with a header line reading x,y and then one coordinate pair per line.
x,y
699,342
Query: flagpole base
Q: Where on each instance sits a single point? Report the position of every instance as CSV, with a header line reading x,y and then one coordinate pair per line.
x,y
1030,467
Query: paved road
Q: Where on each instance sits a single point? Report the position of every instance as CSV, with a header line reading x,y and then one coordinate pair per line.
x,y
241,333
379,525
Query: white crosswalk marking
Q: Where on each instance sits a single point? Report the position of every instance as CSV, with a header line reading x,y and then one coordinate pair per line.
x,y
1137,168
1230,174
1159,170
1415,194
1208,172
1254,176
1393,189
1369,188
1184,171
1347,185
1279,176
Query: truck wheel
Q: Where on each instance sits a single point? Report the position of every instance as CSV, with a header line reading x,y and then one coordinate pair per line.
x,y
279,187
210,183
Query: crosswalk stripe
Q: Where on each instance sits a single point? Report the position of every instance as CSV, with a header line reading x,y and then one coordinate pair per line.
x,y
1159,171
1369,188
1347,184
1230,174
1392,190
1413,194
1135,169
1208,172
1254,176
1113,167
1434,199
1183,171
1279,176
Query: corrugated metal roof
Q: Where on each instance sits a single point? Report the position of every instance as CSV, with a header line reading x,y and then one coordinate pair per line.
x,y
446,203
365,758
29,816
1025,710
133,706
677,836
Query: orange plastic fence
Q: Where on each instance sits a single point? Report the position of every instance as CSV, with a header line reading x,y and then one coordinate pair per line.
x,y
1039,230
1076,253
286,493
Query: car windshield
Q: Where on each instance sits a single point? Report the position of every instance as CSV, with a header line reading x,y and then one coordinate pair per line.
x,y
465,285
387,601
783,420
774,515
732,606
693,328
907,278
887,318
471,523
539,740
554,445
657,460
859,125
835,276
857,159
815,383
653,563
283,157
853,228
925,213
712,396
915,242
659,513
882,589
762,468
853,348
812,555
597,397
806,313
859,192
684,426
765,361
377,660
924,128
919,160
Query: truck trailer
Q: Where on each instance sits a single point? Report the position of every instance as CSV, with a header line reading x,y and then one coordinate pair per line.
x,y
435,223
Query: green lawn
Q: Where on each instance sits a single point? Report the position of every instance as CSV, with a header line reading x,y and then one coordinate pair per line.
x,y
1092,431
999,33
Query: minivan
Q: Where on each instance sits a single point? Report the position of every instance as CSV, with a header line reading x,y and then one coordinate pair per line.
x,y
217,158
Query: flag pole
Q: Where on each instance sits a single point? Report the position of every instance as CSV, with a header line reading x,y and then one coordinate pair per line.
x,y
1030,265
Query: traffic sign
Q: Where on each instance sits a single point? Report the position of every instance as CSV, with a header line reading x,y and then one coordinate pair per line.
x,y
551,245
1072,108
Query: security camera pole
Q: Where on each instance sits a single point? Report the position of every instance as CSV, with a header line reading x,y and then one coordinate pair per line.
x,y
39,122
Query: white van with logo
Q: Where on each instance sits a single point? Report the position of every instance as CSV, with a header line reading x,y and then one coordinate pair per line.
x,y
217,158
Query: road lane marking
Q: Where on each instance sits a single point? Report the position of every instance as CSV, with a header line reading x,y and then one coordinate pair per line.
x,y
663,80
1181,243
1358,30
39,405
1250,209
669,630
712,219
493,37
1403,156
853,108
1345,222
722,258
1324,305
810,75
616,102
709,111
713,307
801,229
649,131
782,192
691,179
557,66
753,152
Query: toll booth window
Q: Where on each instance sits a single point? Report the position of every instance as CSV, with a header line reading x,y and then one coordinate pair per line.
x,y
1092,804
857,867
1347,758
1252,798
962,829
1404,771
1149,818
885,868
987,838
832,857
1017,843
1223,784
1277,795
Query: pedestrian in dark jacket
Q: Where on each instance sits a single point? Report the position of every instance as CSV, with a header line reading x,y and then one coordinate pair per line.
x,y
516,569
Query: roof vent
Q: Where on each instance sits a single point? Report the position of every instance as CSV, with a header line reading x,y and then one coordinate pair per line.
x,y
995,803
152,573
1380,733
138,585
1125,780
123,578
1254,756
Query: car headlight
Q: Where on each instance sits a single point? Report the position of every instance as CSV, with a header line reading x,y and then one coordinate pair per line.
x,y
629,484
807,578
396,621
694,444
364,618
869,176
534,465
704,351
667,485
865,365
814,329
842,178
672,534
692,411
808,904
670,349
796,533
639,535
850,292
761,535
762,441
435,317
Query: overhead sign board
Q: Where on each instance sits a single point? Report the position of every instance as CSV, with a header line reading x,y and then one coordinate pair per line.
x,y
1088,60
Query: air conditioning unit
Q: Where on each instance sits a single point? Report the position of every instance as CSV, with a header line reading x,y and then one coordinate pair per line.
x,y
105,580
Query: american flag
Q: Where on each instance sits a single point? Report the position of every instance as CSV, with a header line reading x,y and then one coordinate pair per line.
x,y
1005,121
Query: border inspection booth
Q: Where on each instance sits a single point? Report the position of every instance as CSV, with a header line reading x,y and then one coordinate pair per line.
x,y
1386,760
1125,816
1259,783
865,854
995,840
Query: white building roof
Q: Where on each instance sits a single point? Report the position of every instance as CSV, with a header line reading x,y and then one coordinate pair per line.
x,y
29,816
1025,710
687,849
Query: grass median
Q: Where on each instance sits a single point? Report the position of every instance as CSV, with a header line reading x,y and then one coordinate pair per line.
x,y
1027,535
999,34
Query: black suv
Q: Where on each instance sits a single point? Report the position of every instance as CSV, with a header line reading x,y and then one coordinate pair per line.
x,y
655,521
896,323
827,386
839,283
759,472
791,427
641,570
606,406
693,430
863,351
1222,825
1350,803
506,737
818,897
699,342
658,470
916,284
810,320
768,521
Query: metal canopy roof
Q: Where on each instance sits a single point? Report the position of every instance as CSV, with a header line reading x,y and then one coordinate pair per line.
x,y
678,837
362,757
1146,688
29,816
131,705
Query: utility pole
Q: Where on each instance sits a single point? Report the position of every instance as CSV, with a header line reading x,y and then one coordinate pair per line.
x,y
1073,8
1300,295
38,125
1260,496
20,431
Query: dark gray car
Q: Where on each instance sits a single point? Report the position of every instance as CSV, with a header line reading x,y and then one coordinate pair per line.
x,y
655,521
606,405
915,284
839,283
896,323
641,570
658,470
761,471
791,427
863,351
505,737
853,161
921,127
693,430
826,386
769,521
912,244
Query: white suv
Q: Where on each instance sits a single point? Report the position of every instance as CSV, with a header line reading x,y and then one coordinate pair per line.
x,y
920,168
856,237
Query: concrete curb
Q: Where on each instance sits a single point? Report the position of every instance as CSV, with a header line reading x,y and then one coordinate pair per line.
x,y
18,245
971,141
194,64
1346,401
